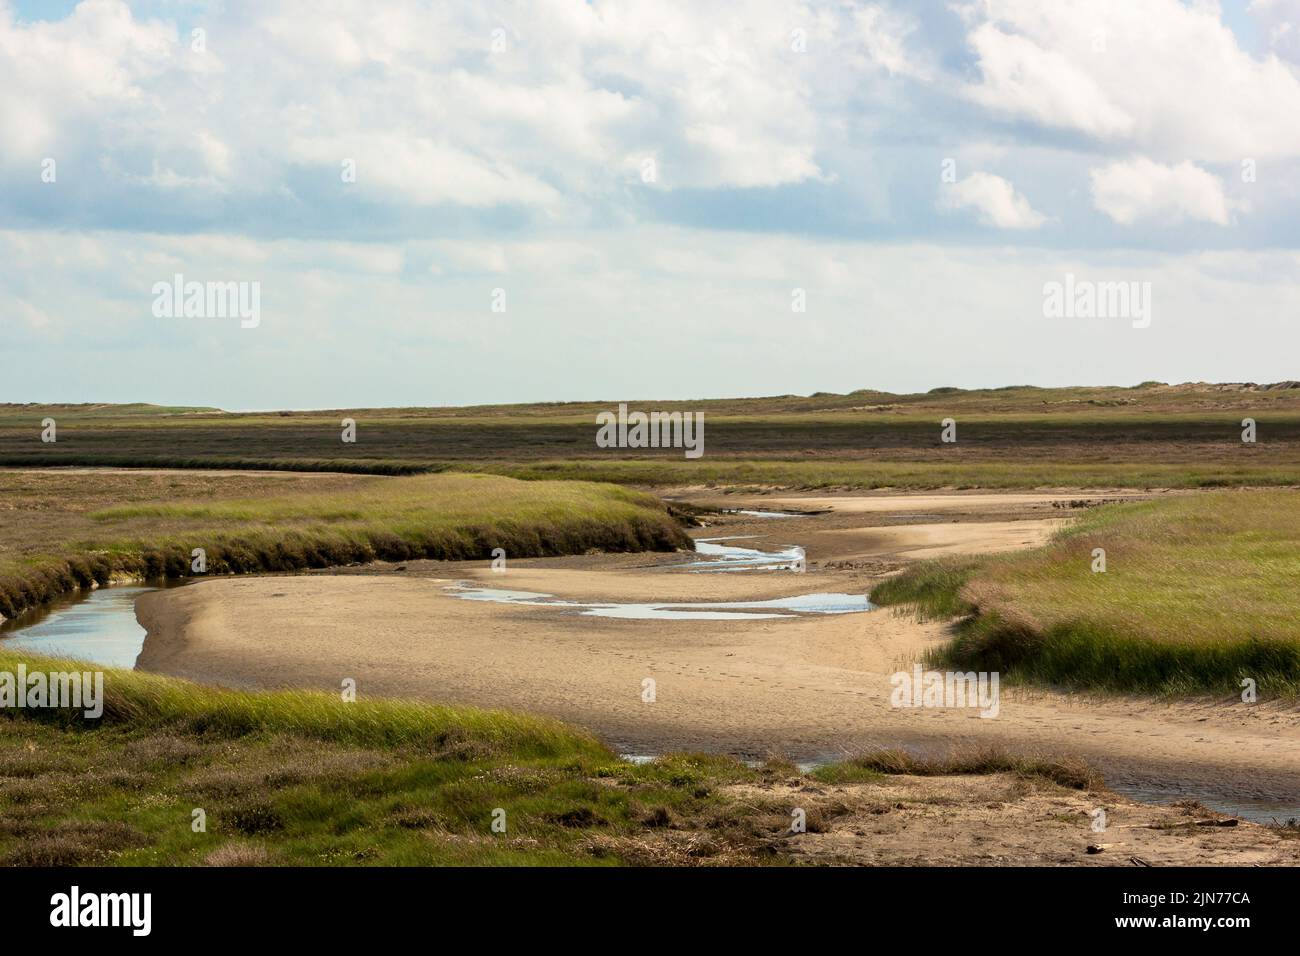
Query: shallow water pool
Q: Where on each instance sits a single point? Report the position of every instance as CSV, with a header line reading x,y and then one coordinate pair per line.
x,y
793,607
714,556
97,626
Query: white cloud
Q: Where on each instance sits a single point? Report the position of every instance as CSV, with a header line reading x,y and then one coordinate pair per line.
x,y
552,131
1021,77
419,97
883,34
91,69
420,171
1139,189
1280,20
995,199
1165,78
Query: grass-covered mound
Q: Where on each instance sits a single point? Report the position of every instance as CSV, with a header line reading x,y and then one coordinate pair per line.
x,y
1199,593
67,530
307,779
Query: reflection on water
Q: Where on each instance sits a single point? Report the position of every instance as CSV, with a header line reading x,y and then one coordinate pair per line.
x,y
97,626
676,610
710,556
730,557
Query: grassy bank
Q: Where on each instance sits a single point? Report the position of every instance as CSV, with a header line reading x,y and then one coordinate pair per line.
x,y
67,530
1198,594
297,778
305,778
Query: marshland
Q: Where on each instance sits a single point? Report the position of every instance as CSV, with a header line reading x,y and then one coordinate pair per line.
x,y
611,433
1122,687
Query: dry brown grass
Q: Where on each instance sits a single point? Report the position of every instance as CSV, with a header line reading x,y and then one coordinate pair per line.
x,y
238,853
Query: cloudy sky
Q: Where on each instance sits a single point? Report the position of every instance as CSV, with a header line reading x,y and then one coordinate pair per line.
x,y
646,192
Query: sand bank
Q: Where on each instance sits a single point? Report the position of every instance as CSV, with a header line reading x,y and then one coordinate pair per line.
x,y
813,687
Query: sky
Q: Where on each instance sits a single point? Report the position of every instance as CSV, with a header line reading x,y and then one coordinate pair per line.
x,y
461,203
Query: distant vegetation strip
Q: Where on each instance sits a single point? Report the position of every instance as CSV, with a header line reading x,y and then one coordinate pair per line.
x,y
731,474
352,466
1151,435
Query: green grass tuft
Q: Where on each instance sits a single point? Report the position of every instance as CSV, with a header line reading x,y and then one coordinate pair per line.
x,y
932,588
1198,595
1068,772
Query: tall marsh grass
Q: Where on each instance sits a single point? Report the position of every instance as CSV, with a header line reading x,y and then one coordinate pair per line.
x,y
446,517
1199,593
152,702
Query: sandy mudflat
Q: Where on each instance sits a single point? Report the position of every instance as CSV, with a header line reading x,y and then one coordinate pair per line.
x,y
1000,820
919,541
808,688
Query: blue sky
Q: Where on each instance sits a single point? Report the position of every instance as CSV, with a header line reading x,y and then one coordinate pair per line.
x,y
647,185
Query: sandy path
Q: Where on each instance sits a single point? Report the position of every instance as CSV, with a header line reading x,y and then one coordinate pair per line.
x,y
916,542
808,688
